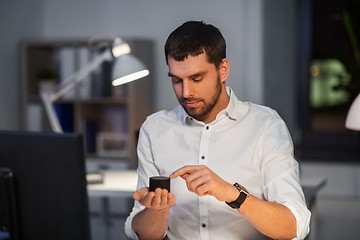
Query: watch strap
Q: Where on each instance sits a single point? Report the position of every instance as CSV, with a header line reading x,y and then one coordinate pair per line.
x,y
241,198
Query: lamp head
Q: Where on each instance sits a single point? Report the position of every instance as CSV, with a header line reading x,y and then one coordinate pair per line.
x,y
353,116
128,68
120,48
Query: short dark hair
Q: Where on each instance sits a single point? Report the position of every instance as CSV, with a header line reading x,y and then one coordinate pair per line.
x,y
194,38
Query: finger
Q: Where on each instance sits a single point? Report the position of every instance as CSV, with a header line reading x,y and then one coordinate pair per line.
x,y
184,176
188,169
194,175
202,190
171,199
139,194
147,199
157,198
194,184
164,198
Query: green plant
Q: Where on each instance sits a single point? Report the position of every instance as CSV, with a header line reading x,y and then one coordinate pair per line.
x,y
47,73
352,32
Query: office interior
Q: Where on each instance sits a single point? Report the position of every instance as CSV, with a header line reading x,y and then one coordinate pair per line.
x,y
267,42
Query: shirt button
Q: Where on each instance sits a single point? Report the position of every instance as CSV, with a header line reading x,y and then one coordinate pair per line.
x,y
202,157
203,225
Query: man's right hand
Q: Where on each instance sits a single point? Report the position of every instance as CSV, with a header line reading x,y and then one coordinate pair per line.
x,y
158,200
152,223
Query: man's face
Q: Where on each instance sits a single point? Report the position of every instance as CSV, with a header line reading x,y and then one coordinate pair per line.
x,y
197,85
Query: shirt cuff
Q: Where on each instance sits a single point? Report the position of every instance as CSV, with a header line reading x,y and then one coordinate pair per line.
x,y
128,223
302,217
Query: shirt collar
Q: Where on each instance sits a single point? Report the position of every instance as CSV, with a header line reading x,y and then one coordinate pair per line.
x,y
235,109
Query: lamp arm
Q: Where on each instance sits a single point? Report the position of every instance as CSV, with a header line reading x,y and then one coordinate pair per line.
x,y
49,97
80,75
50,112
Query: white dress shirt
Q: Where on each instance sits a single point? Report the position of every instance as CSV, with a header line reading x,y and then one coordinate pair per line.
x,y
246,143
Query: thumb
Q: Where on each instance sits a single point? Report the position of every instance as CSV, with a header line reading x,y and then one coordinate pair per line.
x,y
139,194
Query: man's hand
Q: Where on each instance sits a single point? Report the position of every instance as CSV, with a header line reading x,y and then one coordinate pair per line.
x,y
202,181
153,221
158,200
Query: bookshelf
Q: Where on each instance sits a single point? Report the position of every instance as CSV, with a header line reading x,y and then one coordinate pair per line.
x,y
108,117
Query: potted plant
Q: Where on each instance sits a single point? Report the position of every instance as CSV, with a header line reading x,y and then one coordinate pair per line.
x,y
47,79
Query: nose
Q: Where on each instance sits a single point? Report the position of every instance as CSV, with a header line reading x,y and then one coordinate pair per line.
x,y
187,89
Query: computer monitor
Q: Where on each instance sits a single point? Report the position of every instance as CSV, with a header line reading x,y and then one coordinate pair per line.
x,y
8,213
49,185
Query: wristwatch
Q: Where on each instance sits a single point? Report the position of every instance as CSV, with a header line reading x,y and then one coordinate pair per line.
x,y
242,196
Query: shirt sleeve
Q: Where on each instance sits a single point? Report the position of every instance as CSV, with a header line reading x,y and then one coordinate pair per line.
x,y
146,168
280,174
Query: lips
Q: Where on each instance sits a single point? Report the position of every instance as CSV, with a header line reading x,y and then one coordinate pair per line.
x,y
191,104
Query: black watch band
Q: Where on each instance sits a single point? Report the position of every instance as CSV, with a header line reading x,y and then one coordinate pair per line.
x,y
242,196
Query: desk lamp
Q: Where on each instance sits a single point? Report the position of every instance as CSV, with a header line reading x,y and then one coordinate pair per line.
x,y
126,68
353,116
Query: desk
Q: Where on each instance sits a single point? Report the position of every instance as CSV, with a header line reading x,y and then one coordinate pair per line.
x,y
115,184
311,186
119,183
123,184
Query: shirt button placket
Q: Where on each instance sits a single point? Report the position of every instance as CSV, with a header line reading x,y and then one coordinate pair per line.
x,y
203,201
204,145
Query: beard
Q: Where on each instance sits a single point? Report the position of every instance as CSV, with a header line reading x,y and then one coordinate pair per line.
x,y
207,106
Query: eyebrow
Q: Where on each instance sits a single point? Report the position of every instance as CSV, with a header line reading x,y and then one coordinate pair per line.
x,y
191,76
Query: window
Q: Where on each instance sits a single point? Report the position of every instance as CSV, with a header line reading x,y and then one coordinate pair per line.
x,y
329,61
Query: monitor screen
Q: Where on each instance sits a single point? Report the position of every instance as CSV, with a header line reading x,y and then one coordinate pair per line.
x,y
48,185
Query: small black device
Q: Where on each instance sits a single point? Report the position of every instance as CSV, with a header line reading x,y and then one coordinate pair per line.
x,y
159,182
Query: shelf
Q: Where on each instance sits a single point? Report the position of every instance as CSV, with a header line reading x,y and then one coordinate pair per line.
x,y
99,100
93,108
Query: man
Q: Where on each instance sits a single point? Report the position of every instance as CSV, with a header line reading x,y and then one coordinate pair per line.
x,y
231,163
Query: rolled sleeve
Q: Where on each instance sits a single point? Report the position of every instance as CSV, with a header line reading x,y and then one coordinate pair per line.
x,y
286,190
128,223
280,176
146,168
302,217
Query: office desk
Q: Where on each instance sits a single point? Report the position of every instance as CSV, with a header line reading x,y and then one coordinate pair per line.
x,y
119,183
311,188
116,184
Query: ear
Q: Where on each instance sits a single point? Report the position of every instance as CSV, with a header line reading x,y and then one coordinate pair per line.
x,y
224,69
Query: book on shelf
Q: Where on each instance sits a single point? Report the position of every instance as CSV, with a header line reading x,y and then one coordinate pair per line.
x,y
65,113
84,87
89,129
115,118
34,117
66,67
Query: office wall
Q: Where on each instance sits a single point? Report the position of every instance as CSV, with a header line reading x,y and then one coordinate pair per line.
x,y
155,20
279,59
239,20
18,19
